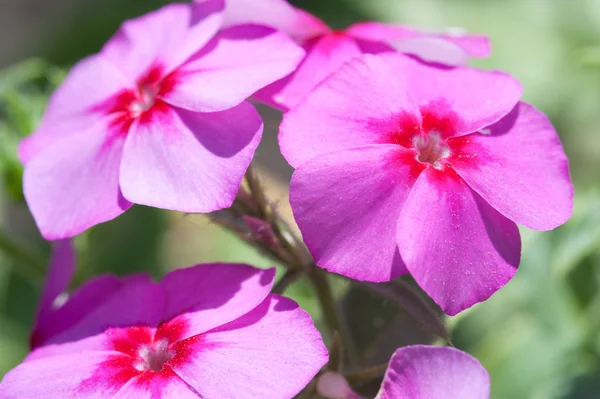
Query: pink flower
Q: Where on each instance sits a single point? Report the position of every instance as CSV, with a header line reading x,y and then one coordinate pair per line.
x,y
208,331
402,167
421,372
327,49
158,118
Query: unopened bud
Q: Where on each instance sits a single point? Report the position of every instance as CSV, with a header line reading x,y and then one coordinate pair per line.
x,y
333,385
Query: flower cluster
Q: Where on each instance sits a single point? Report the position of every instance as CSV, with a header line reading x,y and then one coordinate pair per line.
x,y
406,161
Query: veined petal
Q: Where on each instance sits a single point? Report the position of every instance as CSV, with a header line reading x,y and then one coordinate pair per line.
x,y
347,205
203,297
190,162
73,184
362,103
519,167
63,377
324,55
458,248
272,351
167,37
238,62
426,372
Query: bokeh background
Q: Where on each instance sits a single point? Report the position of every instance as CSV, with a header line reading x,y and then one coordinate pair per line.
x,y
539,337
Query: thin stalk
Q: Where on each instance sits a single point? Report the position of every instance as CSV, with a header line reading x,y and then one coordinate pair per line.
x,y
290,277
364,376
30,266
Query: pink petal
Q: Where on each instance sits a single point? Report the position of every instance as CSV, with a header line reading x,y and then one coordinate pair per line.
x,y
144,301
271,352
59,274
165,384
238,62
458,248
479,98
60,377
277,14
73,184
449,49
360,104
191,162
80,303
519,167
426,372
167,37
211,295
325,55
347,204
91,81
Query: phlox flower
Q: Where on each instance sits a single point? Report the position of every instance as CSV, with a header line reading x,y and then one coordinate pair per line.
x,y
403,167
158,117
420,372
208,331
328,49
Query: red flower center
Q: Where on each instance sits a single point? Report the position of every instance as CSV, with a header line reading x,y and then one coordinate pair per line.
x,y
430,148
142,101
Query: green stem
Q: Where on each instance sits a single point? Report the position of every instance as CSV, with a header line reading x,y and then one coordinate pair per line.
x,y
364,376
27,264
288,279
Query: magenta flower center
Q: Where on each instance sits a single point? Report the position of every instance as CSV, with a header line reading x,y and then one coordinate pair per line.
x,y
430,147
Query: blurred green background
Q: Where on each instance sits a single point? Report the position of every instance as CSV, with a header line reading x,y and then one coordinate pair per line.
x,y
539,337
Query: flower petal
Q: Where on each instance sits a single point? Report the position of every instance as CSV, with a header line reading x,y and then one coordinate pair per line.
x,y
206,296
423,44
238,62
277,14
190,162
325,55
425,372
347,204
519,167
90,82
273,351
479,98
167,37
458,248
73,184
360,104
164,384
62,377
83,301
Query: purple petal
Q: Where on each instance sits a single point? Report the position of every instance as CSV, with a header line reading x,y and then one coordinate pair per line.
x,y
59,274
273,351
60,377
69,114
479,98
277,14
519,167
458,248
360,104
213,294
325,55
167,37
238,62
73,184
191,162
347,204
449,49
426,372
80,303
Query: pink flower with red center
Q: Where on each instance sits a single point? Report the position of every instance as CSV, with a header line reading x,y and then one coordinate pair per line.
x,y
420,372
158,117
208,331
401,167
327,49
